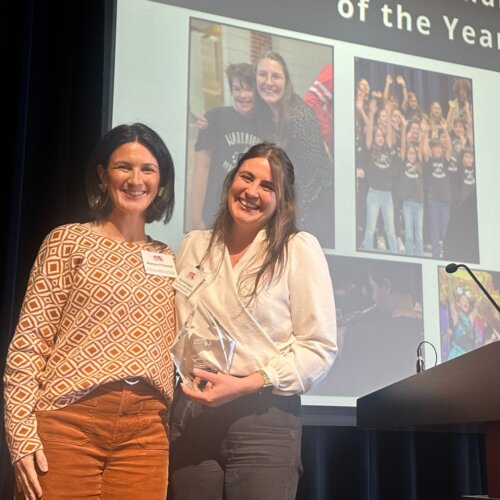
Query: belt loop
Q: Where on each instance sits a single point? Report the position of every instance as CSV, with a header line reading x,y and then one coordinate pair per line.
x,y
125,397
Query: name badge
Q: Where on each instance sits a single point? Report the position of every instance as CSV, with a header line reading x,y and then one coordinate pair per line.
x,y
188,280
159,264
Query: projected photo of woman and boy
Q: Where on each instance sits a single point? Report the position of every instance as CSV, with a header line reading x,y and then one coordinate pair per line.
x,y
246,87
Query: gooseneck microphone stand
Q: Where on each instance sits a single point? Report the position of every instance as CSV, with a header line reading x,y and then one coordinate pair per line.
x,y
451,268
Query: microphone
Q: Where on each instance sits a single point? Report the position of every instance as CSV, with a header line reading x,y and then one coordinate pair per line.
x,y
452,267
420,361
420,358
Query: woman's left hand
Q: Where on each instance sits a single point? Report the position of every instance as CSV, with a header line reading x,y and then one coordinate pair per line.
x,y
222,388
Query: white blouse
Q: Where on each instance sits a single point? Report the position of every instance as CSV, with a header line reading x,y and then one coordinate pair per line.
x,y
289,330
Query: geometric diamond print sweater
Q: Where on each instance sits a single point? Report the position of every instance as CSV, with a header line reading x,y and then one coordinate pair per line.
x,y
91,315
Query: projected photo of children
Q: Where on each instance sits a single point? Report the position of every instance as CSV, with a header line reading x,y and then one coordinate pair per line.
x,y
246,87
467,319
415,163
380,324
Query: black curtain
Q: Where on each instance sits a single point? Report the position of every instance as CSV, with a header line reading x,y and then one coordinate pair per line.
x,y
55,97
343,463
53,70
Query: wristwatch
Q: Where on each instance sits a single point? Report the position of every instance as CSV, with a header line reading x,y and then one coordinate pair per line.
x,y
265,376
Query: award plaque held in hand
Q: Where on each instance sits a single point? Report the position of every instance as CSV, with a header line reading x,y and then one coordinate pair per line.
x,y
202,343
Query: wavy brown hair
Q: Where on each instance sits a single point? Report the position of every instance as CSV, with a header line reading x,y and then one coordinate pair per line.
x,y
100,205
287,102
280,228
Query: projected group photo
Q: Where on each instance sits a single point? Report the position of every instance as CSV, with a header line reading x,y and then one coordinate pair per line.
x,y
415,163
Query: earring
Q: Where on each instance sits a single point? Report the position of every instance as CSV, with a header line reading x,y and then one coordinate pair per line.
x,y
102,199
160,192
102,187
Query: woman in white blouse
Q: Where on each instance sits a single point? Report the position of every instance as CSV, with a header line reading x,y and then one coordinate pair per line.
x,y
237,435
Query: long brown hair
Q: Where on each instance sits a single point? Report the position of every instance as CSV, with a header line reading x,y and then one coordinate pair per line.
x,y
418,165
280,227
288,100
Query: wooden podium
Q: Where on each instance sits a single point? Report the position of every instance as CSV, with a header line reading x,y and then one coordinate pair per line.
x,y
462,394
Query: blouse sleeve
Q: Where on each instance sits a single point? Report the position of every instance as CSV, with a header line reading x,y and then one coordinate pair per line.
x,y
312,309
32,345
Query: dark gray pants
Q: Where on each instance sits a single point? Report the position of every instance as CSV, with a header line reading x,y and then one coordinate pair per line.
x,y
248,449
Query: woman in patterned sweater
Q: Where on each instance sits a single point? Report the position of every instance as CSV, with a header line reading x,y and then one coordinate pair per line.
x,y
88,378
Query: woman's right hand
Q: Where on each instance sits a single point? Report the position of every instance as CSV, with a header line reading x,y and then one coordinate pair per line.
x,y
220,388
25,471
201,122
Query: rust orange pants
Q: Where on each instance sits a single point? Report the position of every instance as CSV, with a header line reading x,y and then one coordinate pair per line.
x,y
112,444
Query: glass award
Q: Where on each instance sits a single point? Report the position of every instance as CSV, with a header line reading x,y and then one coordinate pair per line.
x,y
202,343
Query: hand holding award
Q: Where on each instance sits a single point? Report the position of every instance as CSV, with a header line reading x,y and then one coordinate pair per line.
x,y
202,343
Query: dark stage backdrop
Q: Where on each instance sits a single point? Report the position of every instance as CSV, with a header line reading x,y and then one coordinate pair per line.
x,y
54,109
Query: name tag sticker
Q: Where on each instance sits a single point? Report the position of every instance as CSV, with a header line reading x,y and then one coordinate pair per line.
x,y
188,280
159,264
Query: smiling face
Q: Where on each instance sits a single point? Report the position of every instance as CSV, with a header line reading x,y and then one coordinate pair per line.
x,y
364,87
243,97
459,128
436,112
379,137
382,118
132,179
414,132
463,303
271,81
436,150
413,102
468,159
396,122
251,197
462,93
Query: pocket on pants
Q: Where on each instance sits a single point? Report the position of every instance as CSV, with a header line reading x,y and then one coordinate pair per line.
x,y
153,434
73,424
